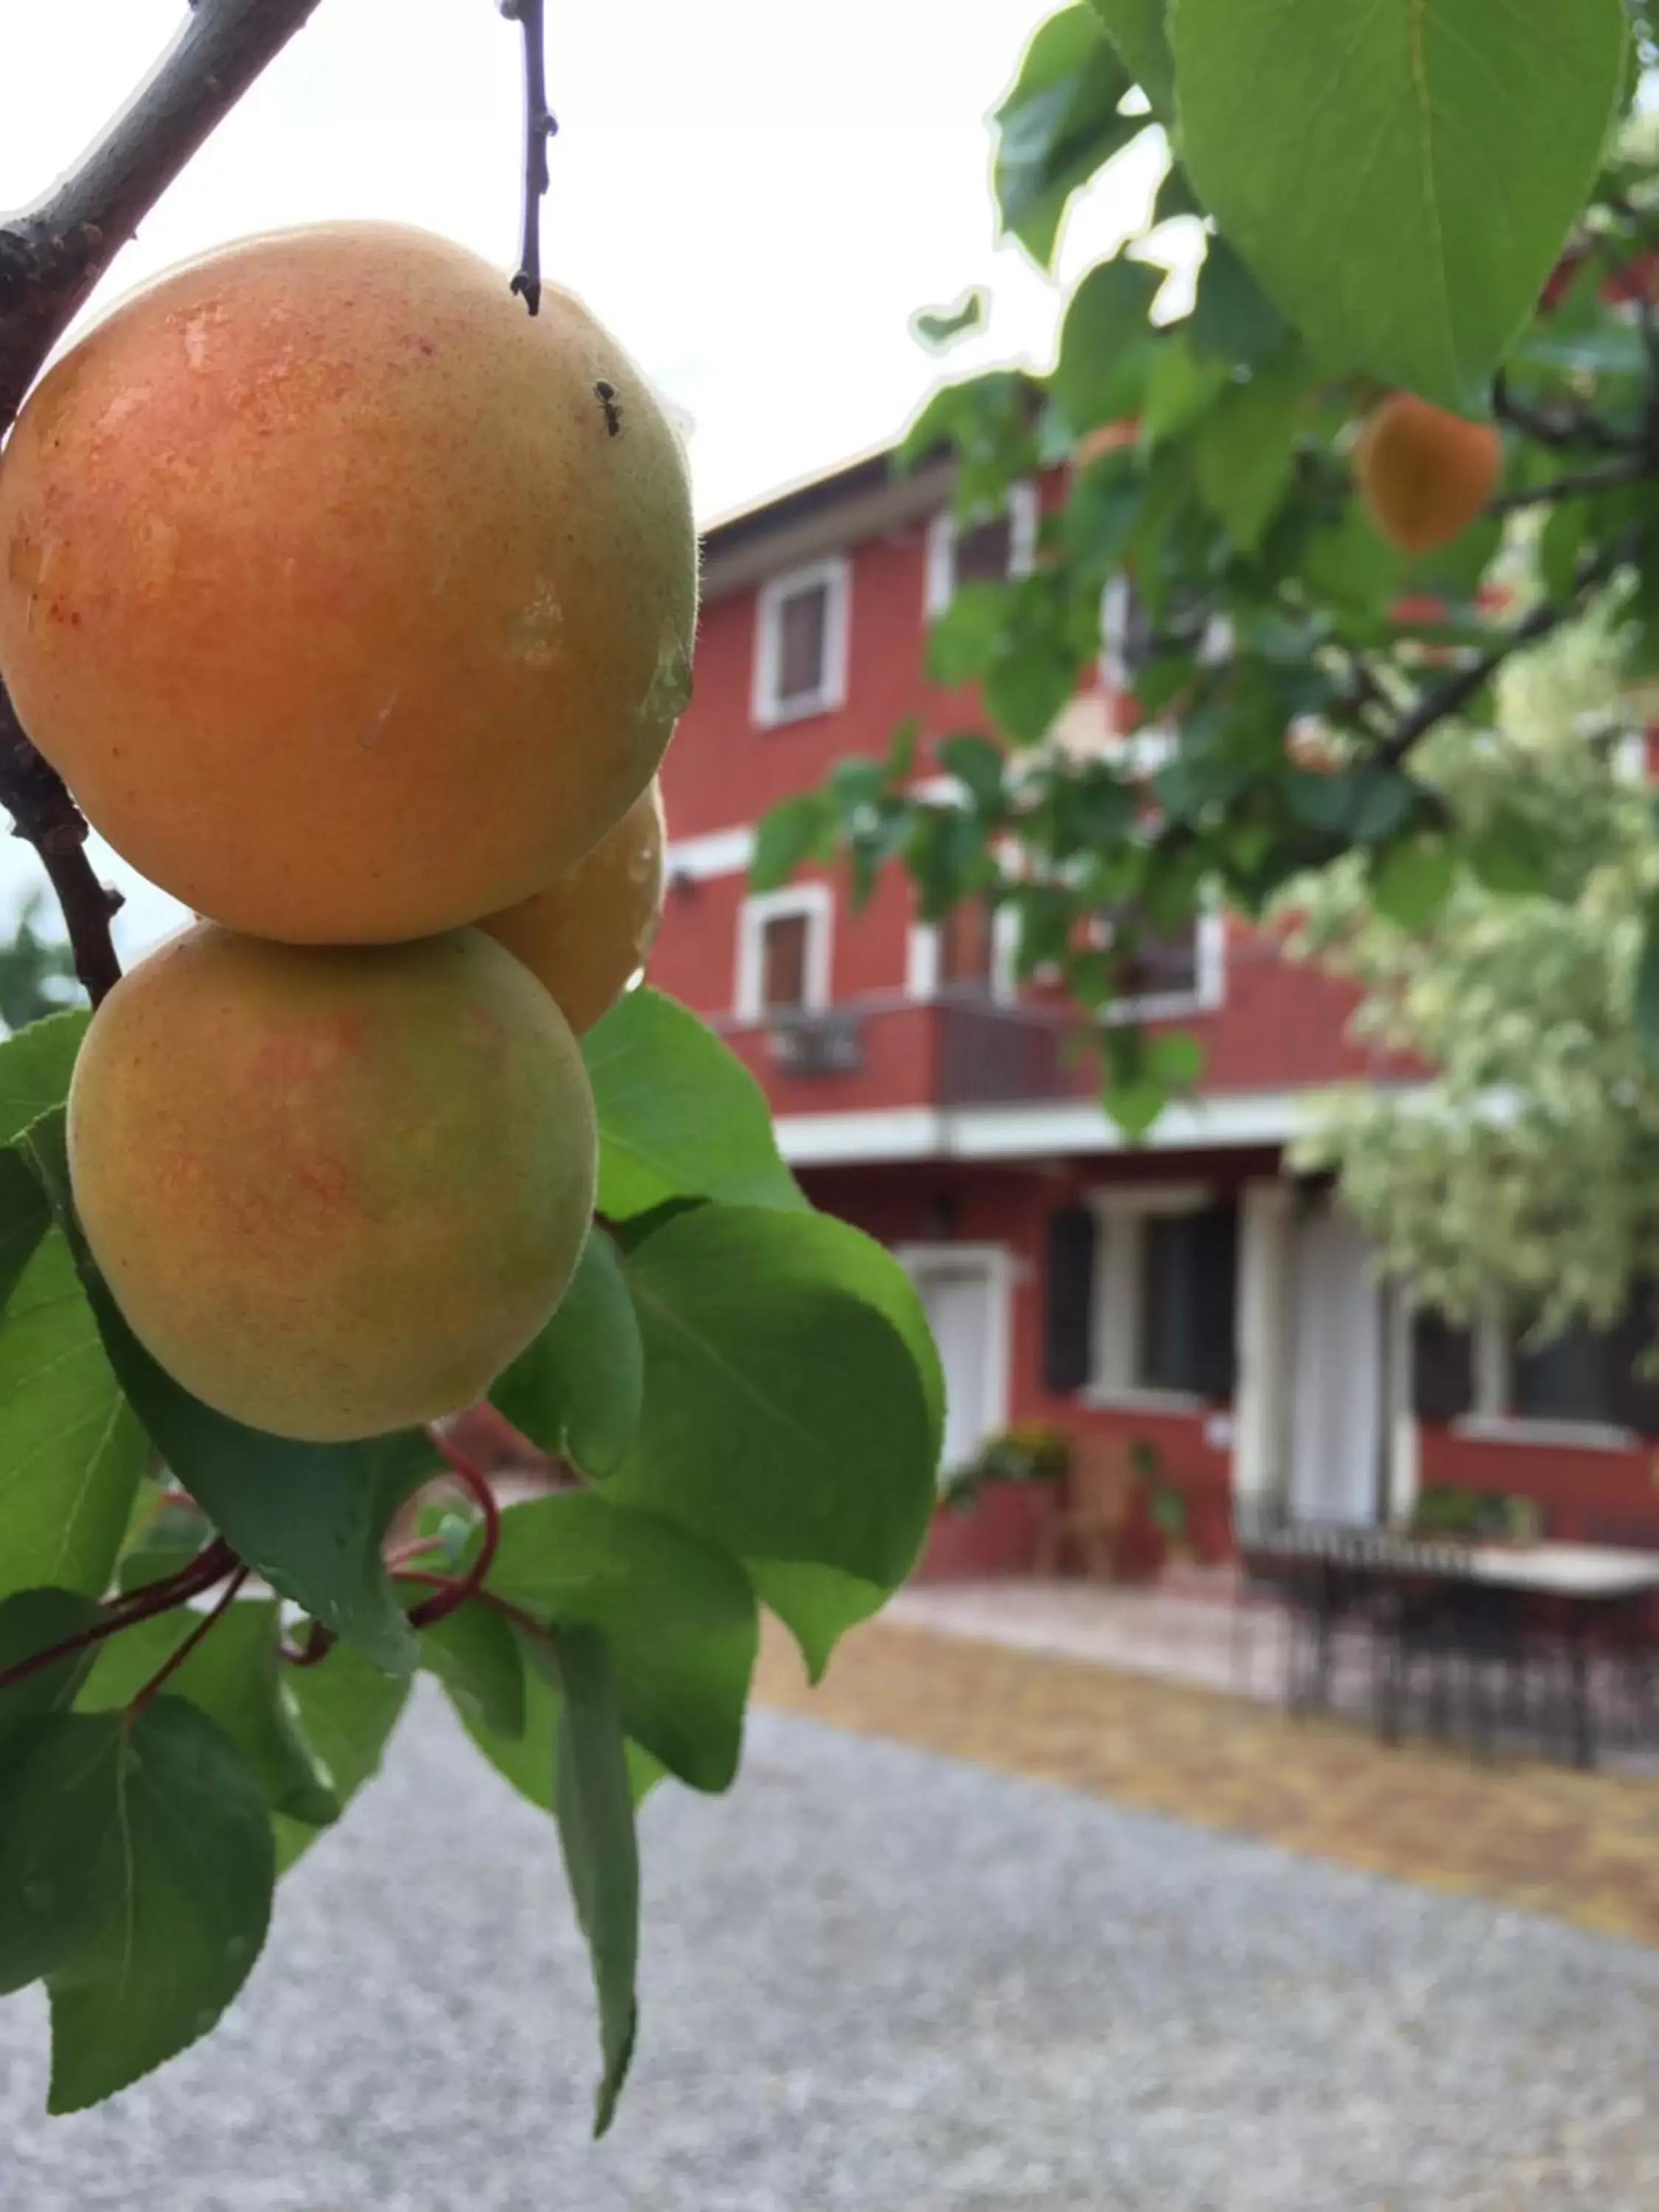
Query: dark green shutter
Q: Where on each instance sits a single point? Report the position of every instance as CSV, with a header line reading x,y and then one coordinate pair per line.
x,y
1068,1300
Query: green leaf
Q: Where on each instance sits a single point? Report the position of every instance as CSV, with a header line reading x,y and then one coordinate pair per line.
x,y
679,1117
1106,345
25,1218
678,1614
795,829
1245,449
771,1332
170,1534
530,1761
234,1676
35,1066
59,1845
1179,388
1411,883
1399,173
595,1812
1361,806
308,1517
1136,29
576,1390
190,1904
1233,321
1350,564
72,1451
1135,1102
1561,543
31,1621
475,1655
1058,126
1647,988
963,641
939,327
1173,1060
817,1605
977,764
347,1711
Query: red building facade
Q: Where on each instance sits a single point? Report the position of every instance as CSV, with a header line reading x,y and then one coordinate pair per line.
x,y
1188,1294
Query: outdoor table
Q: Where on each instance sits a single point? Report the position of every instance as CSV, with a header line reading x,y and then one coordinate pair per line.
x,y
1583,1583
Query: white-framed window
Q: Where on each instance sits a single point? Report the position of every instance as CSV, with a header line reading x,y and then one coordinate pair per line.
x,y
784,951
802,622
1574,1390
970,954
1167,975
1165,1298
994,549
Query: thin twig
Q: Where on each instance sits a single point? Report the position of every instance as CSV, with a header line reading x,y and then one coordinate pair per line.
x,y
1584,482
204,1627
1575,427
540,124
215,1564
463,1595
458,1587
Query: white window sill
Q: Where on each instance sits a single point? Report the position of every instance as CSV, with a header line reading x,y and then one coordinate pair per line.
x,y
777,714
1141,1398
1171,1008
1569,1435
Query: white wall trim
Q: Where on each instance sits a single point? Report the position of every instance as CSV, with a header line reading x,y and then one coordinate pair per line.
x,y
817,902
834,572
996,1263
716,853
1023,516
1112,1201
1222,1122
1554,1435
1261,1393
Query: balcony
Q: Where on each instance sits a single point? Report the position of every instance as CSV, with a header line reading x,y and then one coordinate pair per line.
x,y
828,1043
885,1050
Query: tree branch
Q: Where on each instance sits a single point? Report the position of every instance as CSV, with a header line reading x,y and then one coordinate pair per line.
x,y
539,125
210,1566
1446,699
1584,482
54,252
1574,428
51,255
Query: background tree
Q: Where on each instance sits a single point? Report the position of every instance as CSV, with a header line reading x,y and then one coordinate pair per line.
x,y
37,972
1524,1176
1225,457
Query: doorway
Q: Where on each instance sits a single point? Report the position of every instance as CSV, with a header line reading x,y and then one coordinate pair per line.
x,y
964,1293
1337,1425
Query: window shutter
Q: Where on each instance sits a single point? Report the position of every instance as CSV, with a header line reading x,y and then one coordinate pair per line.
x,y
1634,1396
1442,1367
1215,1300
1068,1300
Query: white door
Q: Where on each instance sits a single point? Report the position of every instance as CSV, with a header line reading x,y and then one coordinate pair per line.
x,y
964,1292
1336,1413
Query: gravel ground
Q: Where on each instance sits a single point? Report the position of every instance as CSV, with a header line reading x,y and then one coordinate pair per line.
x,y
875,1982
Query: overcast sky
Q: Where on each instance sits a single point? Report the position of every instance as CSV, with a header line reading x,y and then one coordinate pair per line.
x,y
754,195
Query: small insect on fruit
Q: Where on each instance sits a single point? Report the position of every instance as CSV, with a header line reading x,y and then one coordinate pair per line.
x,y
605,392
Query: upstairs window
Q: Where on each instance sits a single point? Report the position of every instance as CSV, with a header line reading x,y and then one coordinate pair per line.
x,y
801,642
783,952
1162,974
992,549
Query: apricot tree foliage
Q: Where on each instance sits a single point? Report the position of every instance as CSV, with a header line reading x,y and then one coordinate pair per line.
x,y
1426,303
209,1632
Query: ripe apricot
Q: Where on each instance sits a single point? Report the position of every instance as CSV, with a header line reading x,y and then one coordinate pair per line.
x,y
350,600
334,1191
586,934
1425,474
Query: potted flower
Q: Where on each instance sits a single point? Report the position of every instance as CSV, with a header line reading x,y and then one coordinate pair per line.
x,y
992,1508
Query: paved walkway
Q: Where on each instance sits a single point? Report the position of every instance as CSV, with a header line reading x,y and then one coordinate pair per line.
x,y
875,1980
1582,1848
